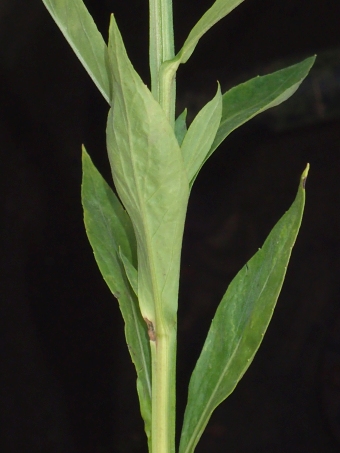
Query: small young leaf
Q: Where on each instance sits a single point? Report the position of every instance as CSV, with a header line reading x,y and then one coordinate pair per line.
x,y
217,11
79,29
200,136
248,99
240,323
149,175
109,230
181,126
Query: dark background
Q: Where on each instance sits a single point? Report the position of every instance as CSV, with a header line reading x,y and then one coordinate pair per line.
x,y
67,384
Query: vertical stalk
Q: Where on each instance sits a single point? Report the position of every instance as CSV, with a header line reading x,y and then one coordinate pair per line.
x,y
161,49
163,338
163,353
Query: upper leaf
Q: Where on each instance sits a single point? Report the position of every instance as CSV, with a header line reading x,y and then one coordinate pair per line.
x,y
150,178
109,230
248,99
200,136
217,11
79,29
240,323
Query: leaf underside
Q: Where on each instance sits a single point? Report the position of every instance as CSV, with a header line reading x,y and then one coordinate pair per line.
x,y
150,178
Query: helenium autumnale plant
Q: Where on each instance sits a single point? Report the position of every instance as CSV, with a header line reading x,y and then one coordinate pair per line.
x,y
137,236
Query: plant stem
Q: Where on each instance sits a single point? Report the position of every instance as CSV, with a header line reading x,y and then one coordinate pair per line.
x,y
161,49
163,352
163,349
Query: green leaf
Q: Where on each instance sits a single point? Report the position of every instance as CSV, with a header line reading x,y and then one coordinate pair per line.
x,y
217,11
200,136
79,29
150,178
240,323
248,99
131,272
109,230
181,126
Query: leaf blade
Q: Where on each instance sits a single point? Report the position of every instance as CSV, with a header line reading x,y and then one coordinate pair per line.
x,y
216,12
149,175
80,30
248,99
241,319
200,136
109,230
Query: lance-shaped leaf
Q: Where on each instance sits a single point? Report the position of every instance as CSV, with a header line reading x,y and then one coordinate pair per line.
x,y
150,178
240,323
109,230
200,136
248,99
217,11
79,29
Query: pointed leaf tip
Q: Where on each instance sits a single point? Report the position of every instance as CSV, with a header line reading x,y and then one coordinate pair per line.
x,y
304,176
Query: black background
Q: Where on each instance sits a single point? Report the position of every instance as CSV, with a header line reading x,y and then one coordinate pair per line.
x,y
67,384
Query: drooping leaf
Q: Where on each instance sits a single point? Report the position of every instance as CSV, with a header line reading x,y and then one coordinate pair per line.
x,y
181,126
79,29
248,99
240,323
217,11
150,178
109,230
200,136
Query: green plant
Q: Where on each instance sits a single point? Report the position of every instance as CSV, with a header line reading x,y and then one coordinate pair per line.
x,y
137,238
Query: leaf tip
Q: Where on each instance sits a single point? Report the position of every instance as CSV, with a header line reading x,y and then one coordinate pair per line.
x,y
84,154
304,176
112,24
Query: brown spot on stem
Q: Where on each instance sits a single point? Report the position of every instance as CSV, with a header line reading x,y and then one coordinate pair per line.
x,y
304,182
151,330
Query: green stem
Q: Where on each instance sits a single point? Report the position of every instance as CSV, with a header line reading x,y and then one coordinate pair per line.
x,y
163,352
163,339
161,50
